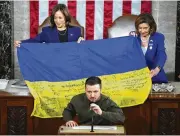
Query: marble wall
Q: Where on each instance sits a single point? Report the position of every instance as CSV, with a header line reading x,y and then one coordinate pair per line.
x,y
177,74
6,33
164,13
21,29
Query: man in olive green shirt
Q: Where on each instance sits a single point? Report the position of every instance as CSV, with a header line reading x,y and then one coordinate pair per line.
x,y
92,103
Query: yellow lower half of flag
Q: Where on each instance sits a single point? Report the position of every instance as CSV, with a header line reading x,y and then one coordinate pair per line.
x,y
126,89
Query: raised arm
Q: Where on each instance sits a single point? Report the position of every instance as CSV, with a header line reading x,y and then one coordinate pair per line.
x,y
38,39
112,113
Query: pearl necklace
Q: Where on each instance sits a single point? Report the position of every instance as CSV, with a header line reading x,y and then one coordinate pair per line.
x,y
144,41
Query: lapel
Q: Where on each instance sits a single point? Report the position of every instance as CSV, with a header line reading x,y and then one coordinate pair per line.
x,y
150,46
55,35
70,34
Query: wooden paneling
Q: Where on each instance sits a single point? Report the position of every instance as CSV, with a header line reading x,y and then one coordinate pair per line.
x,y
136,117
160,114
47,126
166,118
3,118
17,120
0,115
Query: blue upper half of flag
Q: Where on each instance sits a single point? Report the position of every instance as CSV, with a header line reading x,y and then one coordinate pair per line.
x,y
71,60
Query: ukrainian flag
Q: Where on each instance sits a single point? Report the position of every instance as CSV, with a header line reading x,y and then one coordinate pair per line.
x,y
56,72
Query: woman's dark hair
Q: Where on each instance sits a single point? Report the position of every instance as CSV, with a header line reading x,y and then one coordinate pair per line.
x,y
146,18
65,12
93,81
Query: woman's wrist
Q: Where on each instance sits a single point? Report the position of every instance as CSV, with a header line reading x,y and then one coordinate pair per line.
x,y
159,67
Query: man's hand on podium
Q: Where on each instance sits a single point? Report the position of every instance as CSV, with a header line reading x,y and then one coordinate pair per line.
x,y
71,123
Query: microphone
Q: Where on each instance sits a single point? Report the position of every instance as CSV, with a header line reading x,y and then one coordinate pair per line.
x,y
92,119
92,123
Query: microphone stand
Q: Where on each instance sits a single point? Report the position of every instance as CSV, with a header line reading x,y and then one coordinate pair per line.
x,y
92,123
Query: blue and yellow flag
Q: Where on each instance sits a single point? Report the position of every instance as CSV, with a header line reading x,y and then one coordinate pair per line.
x,y
56,72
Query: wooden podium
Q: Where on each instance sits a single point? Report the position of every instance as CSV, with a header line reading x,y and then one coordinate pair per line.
x,y
98,130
